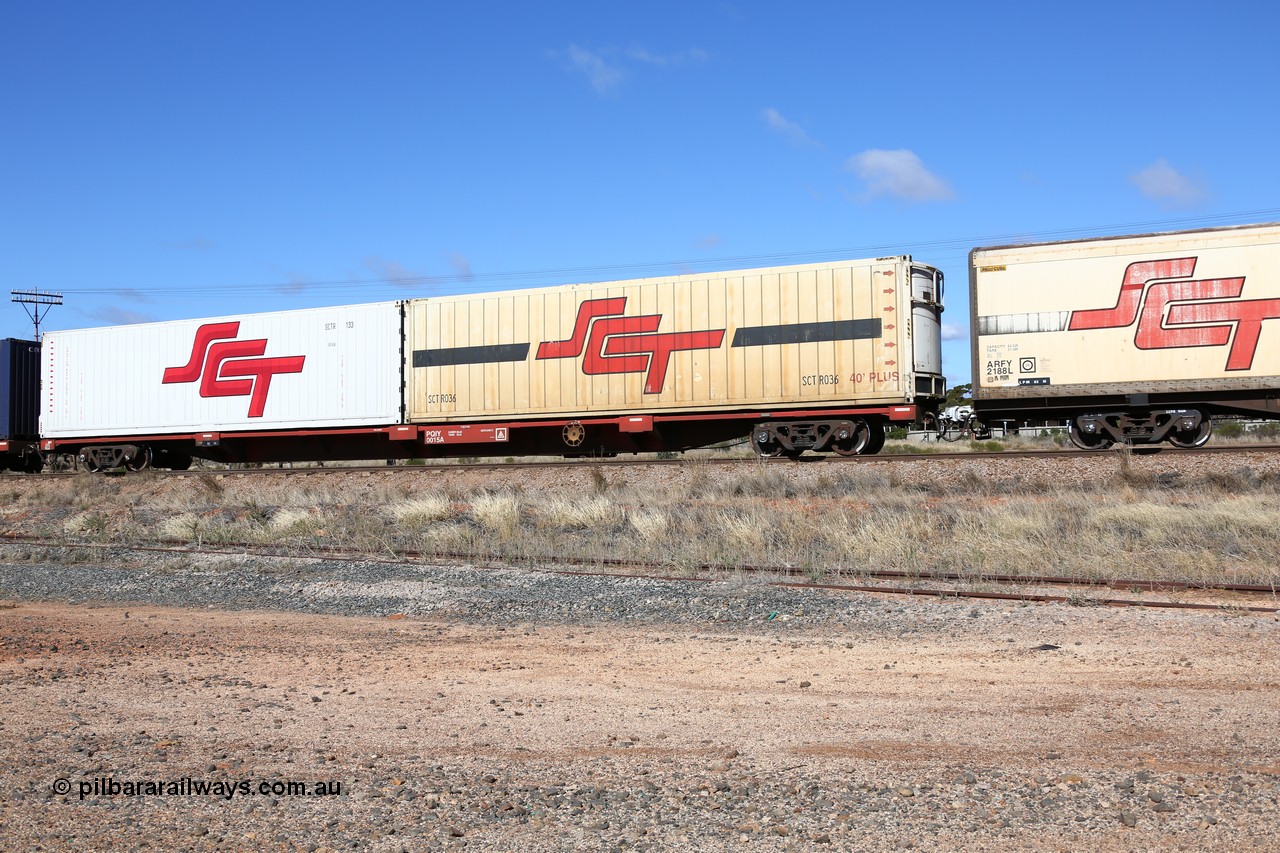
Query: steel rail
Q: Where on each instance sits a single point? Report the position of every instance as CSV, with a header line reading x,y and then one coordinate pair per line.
x,y
337,552
349,555
557,462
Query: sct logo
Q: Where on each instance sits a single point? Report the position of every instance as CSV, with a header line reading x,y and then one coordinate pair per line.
x,y
617,344
1201,313
212,363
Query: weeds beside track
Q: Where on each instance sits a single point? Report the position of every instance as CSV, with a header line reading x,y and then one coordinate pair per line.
x,y
1171,521
1228,597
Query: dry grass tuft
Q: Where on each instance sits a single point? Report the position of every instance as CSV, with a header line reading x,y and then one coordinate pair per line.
x,y
186,527
417,512
1216,525
293,521
86,523
448,539
592,512
497,513
742,533
651,524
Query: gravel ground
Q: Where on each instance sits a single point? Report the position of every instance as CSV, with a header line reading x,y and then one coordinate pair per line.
x,y
358,588
515,710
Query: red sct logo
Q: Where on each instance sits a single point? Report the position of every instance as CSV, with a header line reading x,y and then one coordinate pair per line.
x,y
1200,313
212,364
617,344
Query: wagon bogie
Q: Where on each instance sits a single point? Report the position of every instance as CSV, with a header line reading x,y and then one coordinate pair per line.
x,y
854,436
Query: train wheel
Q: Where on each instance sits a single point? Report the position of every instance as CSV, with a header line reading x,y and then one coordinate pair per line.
x,y
876,442
765,446
141,459
33,463
858,440
574,434
91,464
772,450
1085,440
1191,439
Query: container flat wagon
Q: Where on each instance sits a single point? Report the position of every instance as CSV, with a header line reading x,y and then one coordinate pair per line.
x,y
817,357
19,405
1137,339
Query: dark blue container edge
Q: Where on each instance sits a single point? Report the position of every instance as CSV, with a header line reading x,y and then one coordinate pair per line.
x,y
19,389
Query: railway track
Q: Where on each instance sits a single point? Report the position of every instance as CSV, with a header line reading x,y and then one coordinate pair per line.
x,y
307,469
1229,596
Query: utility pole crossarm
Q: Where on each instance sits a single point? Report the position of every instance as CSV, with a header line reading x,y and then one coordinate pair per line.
x,y
37,304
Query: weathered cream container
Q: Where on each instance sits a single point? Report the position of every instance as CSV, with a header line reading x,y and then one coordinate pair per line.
x,y
1193,311
855,333
1138,340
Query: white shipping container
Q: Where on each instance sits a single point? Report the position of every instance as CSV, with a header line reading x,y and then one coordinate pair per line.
x,y
1160,313
306,369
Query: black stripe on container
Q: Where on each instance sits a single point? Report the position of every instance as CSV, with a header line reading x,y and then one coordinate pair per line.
x,y
470,355
805,333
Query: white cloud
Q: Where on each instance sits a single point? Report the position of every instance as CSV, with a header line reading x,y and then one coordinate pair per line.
x,y
899,174
607,69
198,244
684,57
1162,183
785,127
604,77
134,295
952,332
117,316
393,272
461,265
296,284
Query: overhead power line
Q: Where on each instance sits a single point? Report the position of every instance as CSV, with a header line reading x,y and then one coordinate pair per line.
x,y
584,274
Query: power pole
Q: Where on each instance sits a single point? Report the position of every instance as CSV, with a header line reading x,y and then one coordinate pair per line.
x,y
36,303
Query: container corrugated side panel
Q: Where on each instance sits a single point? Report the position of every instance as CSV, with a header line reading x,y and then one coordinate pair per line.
x,y
27,381
7,390
1123,315
815,334
20,396
307,369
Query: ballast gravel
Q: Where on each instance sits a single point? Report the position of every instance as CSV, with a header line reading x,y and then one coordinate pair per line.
x,y
370,588
454,707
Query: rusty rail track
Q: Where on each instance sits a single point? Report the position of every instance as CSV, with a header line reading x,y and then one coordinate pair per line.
x,y
617,569
890,458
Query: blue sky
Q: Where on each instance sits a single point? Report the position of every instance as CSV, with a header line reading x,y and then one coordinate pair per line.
x,y
184,159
